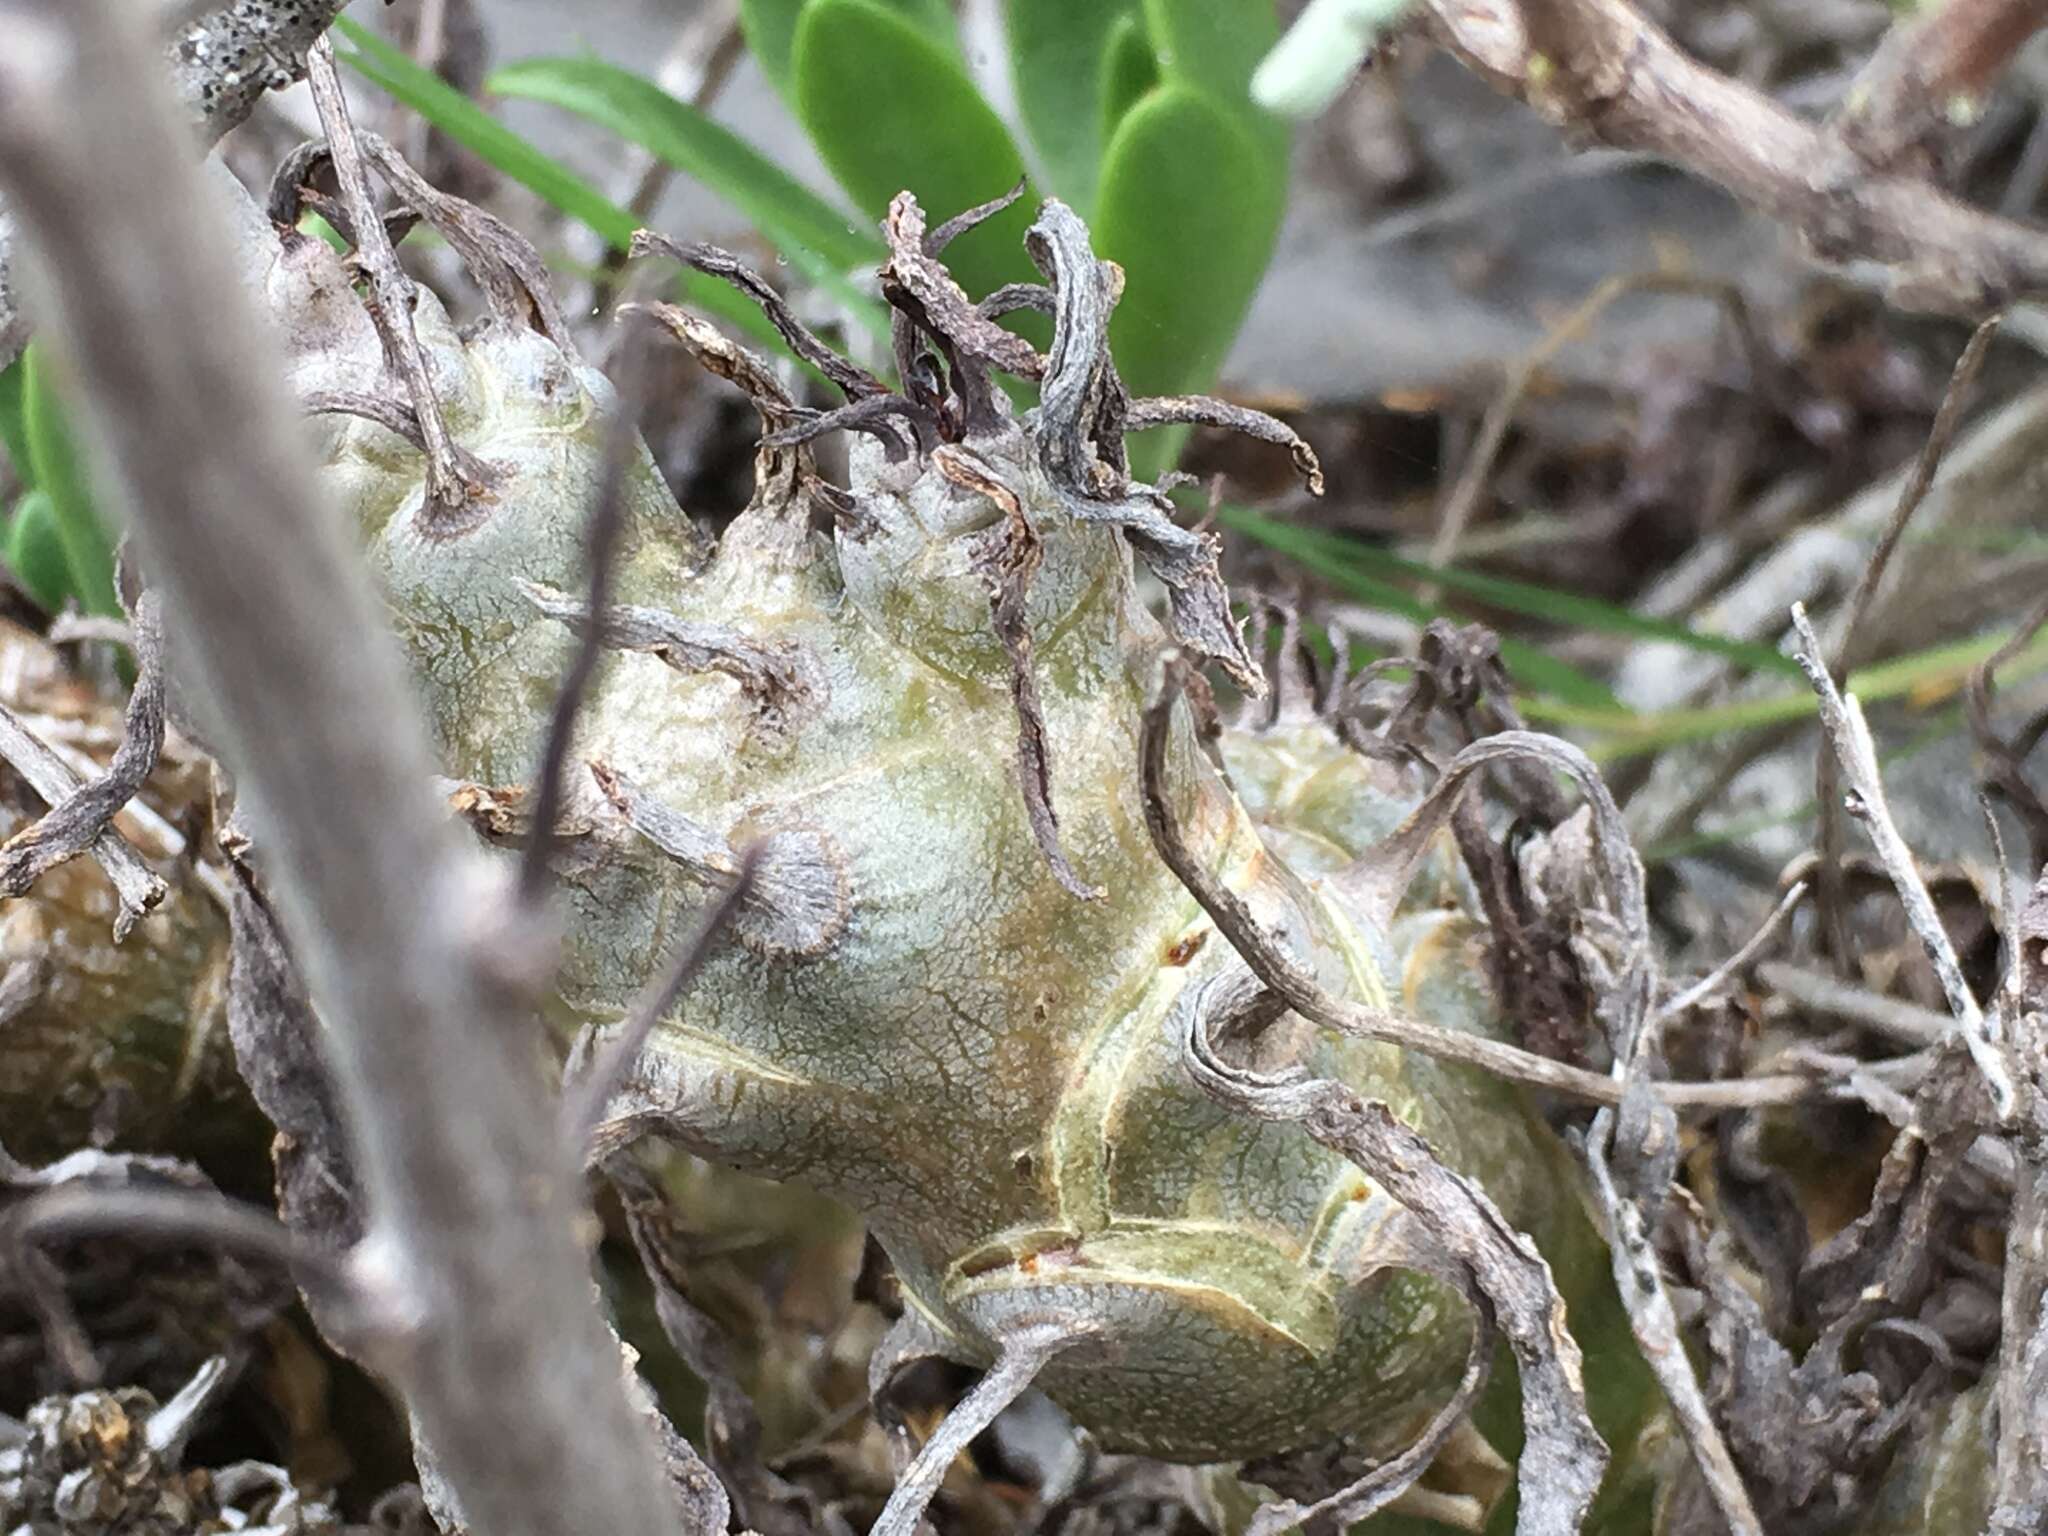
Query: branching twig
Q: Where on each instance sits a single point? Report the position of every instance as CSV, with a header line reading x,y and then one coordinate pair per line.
x,y
77,822
391,292
139,887
2005,772
222,58
2020,1496
179,1218
508,1370
1849,738
1600,68
1025,1350
1640,1281
1498,1270
1907,1023
1932,73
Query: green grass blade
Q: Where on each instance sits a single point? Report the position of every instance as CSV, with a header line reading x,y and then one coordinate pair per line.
x,y
1936,671
821,241
35,551
1324,550
1530,667
1942,728
554,183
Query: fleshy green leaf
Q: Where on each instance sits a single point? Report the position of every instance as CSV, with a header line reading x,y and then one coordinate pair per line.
x,y
1059,51
35,551
60,473
1127,69
1189,205
889,110
1215,45
554,183
769,27
821,241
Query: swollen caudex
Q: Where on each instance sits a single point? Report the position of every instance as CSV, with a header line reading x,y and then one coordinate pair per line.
x,y
949,1002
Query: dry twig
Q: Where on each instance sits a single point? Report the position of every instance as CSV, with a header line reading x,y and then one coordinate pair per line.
x,y
1930,77
1496,1268
450,485
603,526
1601,69
138,886
2005,773
1827,783
1849,738
85,816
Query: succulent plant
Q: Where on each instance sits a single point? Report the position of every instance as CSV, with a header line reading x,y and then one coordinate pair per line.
x,y
913,708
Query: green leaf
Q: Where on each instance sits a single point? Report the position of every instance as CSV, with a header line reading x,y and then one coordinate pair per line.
x,y
35,551
1059,54
475,129
1935,672
1189,205
769,26
1530,667
1215,44
1127,70
891,110
821,241
12,437
61,474
1326,551
554,183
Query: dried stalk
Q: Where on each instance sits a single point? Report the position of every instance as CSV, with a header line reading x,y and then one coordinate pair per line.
x,y
83,817
1827,783
595,1075
1849,737
1602,70
1907,1023
1736,963
390,292
505,1363
138,886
